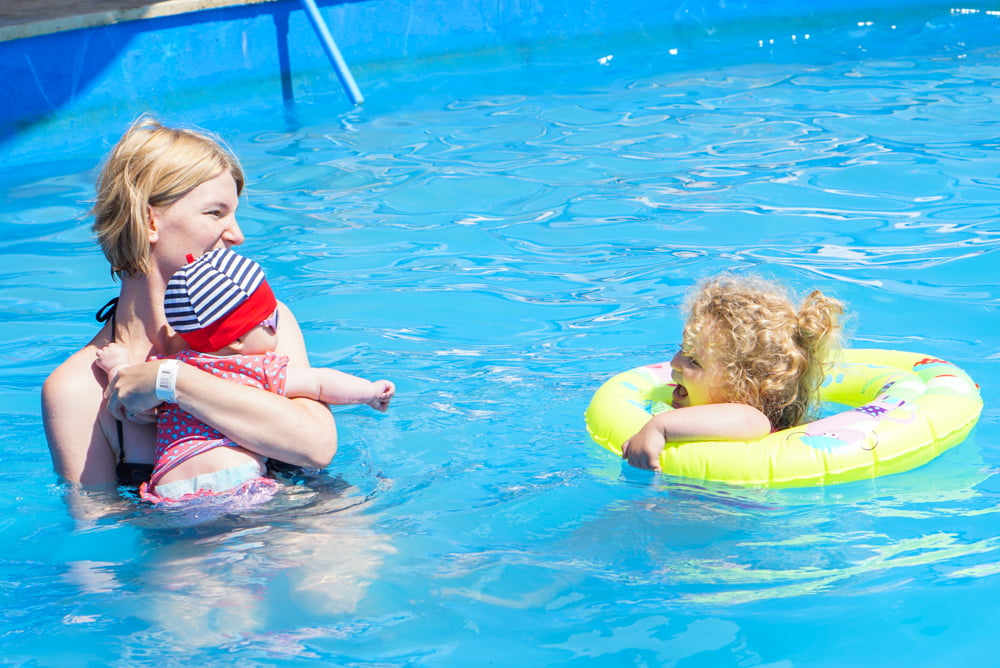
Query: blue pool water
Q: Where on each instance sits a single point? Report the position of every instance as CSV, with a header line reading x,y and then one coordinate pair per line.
x,y
499,237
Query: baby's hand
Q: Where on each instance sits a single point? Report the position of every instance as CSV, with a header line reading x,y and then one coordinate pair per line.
x,y
112,355
382,393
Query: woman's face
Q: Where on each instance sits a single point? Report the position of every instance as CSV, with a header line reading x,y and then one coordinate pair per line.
x,y
201,221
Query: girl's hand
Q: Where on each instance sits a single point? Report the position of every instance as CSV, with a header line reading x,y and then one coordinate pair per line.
x,y
382,393
131,395
643,450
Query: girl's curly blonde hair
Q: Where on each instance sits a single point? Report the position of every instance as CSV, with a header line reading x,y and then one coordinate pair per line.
x,y
772,355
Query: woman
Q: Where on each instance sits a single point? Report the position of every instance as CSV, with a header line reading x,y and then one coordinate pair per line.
x,y
165,194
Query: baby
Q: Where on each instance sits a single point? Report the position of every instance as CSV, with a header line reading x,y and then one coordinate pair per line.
x,y
223,307
750,363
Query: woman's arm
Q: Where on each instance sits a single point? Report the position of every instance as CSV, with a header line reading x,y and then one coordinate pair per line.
x,y
300,432
710,422
71,406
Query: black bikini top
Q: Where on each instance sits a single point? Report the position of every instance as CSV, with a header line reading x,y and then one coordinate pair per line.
x,y
131,474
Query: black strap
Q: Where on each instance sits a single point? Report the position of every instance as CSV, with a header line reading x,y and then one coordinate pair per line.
x,y
105,313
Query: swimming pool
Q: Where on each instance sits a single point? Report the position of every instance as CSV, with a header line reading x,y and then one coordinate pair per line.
x,y
499,238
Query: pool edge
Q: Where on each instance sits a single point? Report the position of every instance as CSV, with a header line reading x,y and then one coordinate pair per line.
x,y
152,10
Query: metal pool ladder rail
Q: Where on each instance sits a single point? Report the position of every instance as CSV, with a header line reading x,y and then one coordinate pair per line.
x,y
339,66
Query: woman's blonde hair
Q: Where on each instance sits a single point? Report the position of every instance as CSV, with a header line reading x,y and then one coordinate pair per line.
x,y
772,354
151,165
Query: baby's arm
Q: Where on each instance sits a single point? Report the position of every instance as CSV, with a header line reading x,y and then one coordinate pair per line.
x,y
113,358
335,387
710,422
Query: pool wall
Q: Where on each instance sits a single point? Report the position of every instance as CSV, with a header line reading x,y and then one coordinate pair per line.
x,y
113,72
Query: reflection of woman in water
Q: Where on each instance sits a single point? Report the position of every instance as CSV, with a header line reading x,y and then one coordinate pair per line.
x,y
311,551
164,194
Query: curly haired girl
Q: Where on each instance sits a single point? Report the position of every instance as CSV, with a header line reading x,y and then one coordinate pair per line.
x,y
750,363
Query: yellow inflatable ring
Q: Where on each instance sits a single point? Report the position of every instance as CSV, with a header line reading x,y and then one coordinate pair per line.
x,y
907,410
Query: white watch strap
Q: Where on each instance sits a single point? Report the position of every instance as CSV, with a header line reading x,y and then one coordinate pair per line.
x,y
166,381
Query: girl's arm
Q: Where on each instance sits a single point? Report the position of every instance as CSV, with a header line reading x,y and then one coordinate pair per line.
x,y
300,432
335,387
710,422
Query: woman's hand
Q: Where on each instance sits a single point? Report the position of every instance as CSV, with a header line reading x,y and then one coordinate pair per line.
x,y
131,394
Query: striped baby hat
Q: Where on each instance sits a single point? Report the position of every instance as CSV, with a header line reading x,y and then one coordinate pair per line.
x,y
216,299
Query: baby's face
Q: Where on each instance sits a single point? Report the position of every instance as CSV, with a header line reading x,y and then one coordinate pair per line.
x,y
259,340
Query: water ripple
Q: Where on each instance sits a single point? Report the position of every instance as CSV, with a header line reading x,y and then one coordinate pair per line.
x,y
499,244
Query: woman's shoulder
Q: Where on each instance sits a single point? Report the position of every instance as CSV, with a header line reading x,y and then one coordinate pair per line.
x,y
72,397
291,343
78,375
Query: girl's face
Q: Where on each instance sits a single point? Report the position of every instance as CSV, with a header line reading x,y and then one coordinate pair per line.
x,y
201,221
698,376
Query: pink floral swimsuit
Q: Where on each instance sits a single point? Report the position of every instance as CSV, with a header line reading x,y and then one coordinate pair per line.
x,y
181,436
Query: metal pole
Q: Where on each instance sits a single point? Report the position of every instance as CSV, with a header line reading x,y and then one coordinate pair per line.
x,y
339,66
